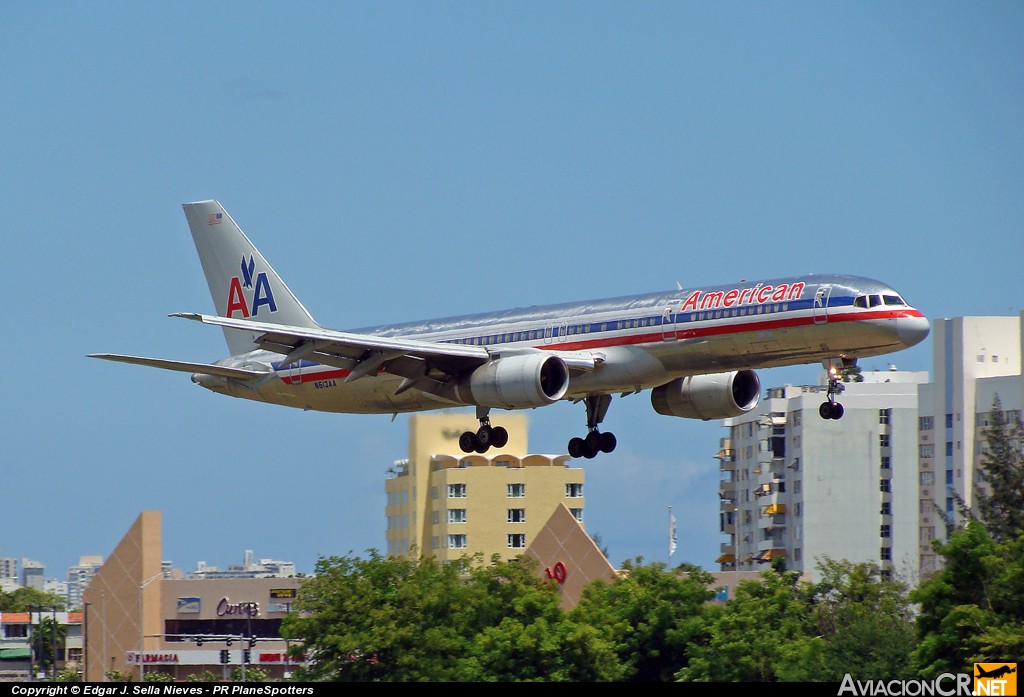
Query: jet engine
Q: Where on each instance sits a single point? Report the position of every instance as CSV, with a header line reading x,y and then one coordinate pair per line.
x,y
715,396
516,382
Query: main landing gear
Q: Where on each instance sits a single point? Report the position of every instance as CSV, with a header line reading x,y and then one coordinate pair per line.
x,y
595,441
485,436
832,409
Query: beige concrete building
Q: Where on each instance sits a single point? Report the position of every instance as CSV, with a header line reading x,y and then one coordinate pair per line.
x,y
446,504
141,616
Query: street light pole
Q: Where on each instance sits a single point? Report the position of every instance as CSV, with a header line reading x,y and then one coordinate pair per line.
x,y
142,638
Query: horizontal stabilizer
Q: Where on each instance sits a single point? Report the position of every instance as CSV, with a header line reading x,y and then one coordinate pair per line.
x,y
183,366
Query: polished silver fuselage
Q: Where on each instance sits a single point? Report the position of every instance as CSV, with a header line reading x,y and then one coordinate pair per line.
x,y
638,342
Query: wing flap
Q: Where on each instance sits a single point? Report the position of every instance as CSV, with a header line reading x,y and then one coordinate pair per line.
x,y
183,366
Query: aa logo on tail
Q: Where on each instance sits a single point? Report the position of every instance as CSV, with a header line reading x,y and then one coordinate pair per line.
x,y
995,679
262,294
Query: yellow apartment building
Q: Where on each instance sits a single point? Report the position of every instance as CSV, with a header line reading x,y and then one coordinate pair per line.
x,y
446,504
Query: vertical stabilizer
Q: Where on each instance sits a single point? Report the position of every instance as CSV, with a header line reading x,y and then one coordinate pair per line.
x,y
241,281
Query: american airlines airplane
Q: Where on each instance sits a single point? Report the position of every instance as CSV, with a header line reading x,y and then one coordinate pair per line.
x,y
694,349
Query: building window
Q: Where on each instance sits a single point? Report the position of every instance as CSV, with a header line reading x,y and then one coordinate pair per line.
x,y
885,531
577,513
886,553
573,490
886,462
926,450
516,491
517,540
884,416
885,485
925,423
456,515
456,491
517,515
883,440
886,508
949,448
949,421
15,631
456,542
927,478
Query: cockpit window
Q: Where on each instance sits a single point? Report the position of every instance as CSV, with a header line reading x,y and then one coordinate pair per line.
x,y
875,300
860,301
893,300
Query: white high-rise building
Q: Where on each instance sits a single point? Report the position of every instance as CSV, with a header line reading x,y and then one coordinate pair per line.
x,y
804,488
974,358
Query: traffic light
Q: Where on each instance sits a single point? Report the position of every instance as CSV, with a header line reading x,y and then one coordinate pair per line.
x,y
246,655
224,656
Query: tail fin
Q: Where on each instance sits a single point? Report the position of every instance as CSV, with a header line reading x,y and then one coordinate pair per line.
x,y
241,281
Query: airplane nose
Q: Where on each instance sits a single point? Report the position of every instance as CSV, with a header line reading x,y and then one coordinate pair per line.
x,y
912,330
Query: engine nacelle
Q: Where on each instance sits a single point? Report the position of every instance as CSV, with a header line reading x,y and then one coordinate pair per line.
x,y
516,382
716,396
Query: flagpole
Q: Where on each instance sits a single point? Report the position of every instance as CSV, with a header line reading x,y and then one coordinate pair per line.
x,y
671,534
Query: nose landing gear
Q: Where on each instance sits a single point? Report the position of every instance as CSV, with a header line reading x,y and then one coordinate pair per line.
x,y
831,409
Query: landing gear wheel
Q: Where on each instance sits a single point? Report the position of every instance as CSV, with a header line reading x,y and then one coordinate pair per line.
x,y
590,449
576,447
484,436
467,442
607,442
499,437
831,410
593,442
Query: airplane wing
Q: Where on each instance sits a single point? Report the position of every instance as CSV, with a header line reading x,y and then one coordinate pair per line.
x,y
183,366
366,354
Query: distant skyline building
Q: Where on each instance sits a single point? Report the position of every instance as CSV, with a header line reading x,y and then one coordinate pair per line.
x,y
32,574
8,569
264,568
444,503
79,577
802,488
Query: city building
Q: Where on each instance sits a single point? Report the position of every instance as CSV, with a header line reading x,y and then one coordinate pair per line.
x,y
79,577
802,488
32,574
141,616
974,359
21,643
446,504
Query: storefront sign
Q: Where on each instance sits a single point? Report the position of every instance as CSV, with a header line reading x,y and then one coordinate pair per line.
x,y
189,606
226,608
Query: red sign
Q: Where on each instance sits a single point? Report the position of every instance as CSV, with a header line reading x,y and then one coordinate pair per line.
x,y
558,574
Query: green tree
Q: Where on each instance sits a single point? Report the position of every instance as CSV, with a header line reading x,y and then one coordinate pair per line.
x,y
865,620
158,676
1001,504
205,676
48,640
396,619
252,674
764,634
648,616
971,610
21,599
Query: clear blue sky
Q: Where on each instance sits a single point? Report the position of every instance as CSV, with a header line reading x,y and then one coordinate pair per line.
x,y
403,160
